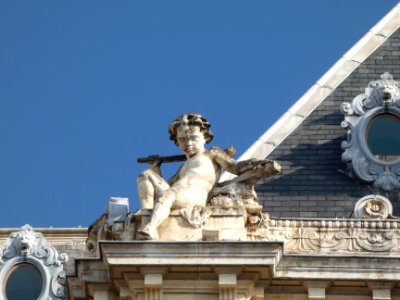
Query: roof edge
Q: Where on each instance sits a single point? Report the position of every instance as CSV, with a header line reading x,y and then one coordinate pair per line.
x,y
318,92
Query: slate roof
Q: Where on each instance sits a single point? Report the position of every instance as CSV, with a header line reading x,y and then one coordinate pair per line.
x,y
304,106
306,139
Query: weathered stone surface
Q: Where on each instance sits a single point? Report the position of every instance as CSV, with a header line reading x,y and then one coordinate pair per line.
x,y
250,269
28,247
194,184
65,240
373,207
179,270
381,99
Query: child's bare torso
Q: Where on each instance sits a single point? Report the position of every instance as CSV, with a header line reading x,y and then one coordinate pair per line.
x,y
195,180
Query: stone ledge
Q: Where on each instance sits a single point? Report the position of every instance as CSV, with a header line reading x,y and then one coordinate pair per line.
x,y
221,253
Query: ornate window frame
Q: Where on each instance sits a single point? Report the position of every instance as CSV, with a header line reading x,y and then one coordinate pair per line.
x,y
381,97
29,248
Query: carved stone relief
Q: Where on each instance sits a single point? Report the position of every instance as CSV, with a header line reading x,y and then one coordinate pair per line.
x,y
365,237
29,247
381,99
373,207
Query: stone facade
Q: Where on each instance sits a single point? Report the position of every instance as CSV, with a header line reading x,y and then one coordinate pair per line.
x,y
321,234
230,270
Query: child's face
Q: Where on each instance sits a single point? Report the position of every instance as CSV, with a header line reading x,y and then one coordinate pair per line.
x,y
191,141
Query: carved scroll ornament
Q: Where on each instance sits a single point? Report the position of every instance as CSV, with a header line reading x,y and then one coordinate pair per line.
x,y
28,247
337,237
373,207
381,98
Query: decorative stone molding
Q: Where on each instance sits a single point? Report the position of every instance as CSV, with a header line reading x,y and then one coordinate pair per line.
x,y
225,221
372,232
153,284
381,290
179,270
381,97
103,292
373,207
316,289
332,236
29,247
125,293
227,286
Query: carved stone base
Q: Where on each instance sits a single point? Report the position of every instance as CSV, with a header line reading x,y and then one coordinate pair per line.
x,y
220,225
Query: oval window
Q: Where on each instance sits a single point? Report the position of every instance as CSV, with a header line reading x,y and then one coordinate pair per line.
x,y
23,282
383,137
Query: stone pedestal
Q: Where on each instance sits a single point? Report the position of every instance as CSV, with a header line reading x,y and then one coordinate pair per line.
x,y
220,225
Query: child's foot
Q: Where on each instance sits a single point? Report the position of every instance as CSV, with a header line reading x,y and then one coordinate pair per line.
x,y
148,232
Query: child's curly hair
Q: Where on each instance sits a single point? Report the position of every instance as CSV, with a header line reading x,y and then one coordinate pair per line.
x,y
191,119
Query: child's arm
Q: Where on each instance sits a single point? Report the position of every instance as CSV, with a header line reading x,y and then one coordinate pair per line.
x,y
229,164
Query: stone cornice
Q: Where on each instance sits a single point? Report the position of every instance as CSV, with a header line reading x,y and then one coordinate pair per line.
x,y
335,237
49,231
191,253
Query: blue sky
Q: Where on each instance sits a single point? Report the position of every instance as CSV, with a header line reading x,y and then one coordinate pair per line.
x,y
86,87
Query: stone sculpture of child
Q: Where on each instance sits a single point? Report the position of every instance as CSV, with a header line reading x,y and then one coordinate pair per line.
x,y
195,179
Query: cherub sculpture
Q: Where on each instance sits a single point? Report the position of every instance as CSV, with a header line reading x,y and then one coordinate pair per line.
x,y
195,179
